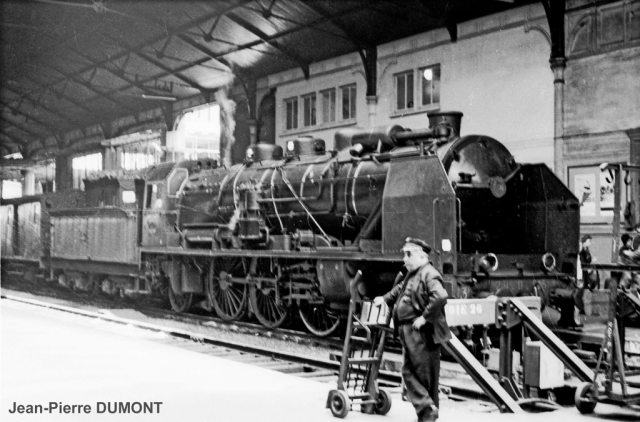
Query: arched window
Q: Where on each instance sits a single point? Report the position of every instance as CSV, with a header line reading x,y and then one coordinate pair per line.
x,y
198,133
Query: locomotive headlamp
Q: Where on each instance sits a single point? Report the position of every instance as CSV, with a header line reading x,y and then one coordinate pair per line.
x,y
489,262
548,261
249,154
291,145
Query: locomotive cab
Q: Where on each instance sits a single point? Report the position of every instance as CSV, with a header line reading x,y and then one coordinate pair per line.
x,y
159,211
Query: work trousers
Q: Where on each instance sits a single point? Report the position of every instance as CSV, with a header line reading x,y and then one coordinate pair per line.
x,y
420,369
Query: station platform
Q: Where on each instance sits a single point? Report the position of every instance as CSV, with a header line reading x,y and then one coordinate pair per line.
x,y
50,356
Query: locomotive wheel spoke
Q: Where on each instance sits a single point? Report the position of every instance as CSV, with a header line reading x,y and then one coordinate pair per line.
x,y
319,319
267,310
270,312
229,299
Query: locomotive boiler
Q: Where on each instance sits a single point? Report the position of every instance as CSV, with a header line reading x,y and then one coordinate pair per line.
x,y
289,228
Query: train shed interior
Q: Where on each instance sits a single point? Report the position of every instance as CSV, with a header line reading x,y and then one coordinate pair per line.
x,y
269,161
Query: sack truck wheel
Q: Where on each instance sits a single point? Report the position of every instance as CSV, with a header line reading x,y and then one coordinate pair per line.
x,y
585,403
383,404
339,403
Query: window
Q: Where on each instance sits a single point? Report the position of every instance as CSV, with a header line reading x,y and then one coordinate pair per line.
x,y
329,106
154,197
175,181
594,190
128,197
82,166
309,105
140,155
348,102
291,106
197,134
430,84
11,189
404,91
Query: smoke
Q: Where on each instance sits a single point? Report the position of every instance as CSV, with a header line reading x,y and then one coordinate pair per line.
x,y
227,123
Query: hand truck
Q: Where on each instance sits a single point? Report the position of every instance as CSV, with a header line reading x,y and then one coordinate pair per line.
x,y
620,386
367,328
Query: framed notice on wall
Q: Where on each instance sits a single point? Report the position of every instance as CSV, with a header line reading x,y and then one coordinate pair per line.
x,y
594,190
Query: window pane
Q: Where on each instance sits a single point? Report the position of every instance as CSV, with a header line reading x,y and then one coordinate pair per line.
x,y
309,104
436,85
307,111
430,80
352,92
332,111
329,106
410,90
84,165
345,103
295,114
400,91
348,102
291,113
426,91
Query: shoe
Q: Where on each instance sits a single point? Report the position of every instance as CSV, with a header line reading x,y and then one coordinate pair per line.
x,y
432,416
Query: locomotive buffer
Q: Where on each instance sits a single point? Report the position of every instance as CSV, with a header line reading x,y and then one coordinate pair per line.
x,y
367,328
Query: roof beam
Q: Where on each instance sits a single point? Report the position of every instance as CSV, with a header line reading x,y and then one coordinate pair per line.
x,y
555,11
119,75
319,9
44,107
219,56
299,60
157,64
79,81
201,19
61,95
13,140
444,14
368,52
29,117
22,128
191,42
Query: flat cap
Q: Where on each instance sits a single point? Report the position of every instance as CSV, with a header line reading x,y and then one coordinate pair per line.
x,y
413,242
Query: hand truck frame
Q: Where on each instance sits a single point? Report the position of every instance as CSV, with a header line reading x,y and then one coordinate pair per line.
x,y
361,358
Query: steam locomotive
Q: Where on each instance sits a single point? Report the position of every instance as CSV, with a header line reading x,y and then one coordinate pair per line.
x,y
287,231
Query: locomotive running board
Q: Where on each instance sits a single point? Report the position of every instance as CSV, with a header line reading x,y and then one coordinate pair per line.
x,y
534,324
482,377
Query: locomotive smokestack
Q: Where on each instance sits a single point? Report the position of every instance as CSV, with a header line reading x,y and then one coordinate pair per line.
x,y
447,119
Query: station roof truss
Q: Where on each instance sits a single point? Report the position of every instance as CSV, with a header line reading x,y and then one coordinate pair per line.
x,y
68,65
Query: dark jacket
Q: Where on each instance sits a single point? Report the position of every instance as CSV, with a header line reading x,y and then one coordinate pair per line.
x,y
428,299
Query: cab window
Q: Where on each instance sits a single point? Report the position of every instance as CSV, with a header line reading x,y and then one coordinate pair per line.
x,y
176,180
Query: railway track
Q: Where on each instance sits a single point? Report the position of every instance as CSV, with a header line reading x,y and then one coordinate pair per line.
x,y
197,316
295,364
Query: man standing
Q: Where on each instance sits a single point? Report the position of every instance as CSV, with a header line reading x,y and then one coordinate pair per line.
x,y
420,319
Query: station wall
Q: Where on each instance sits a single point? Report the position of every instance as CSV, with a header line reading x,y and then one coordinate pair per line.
x,y
602,109
482,75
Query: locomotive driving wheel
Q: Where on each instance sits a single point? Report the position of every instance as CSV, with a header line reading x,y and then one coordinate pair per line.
x,y
265,298
318,318
228,297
